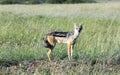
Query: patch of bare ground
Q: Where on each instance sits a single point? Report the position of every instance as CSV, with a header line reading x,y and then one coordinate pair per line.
x,y
59,67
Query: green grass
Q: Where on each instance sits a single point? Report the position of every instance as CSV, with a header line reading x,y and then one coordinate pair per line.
x,y
22,28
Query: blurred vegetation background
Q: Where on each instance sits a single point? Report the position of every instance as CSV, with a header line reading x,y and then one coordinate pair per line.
x,y
51,1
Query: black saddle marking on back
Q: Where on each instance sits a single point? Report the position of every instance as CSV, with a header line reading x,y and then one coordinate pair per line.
x,y
61,34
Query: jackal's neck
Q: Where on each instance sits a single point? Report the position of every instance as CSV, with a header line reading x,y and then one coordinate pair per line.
x,y
76,34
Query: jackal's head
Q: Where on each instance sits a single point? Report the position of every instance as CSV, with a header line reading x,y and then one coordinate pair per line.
x,y
78,28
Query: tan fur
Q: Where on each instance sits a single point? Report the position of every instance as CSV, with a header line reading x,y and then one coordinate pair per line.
x,y
52,40
48,54
69,49
60,39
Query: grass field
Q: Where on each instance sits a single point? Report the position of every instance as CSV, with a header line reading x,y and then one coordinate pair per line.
x,y
97,51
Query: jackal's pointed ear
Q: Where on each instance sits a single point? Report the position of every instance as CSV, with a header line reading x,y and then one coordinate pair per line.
x,y
81,26
74,25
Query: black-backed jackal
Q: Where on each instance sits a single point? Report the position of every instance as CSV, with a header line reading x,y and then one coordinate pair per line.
x,y
50,40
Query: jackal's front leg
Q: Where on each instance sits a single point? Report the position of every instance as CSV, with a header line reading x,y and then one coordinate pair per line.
x,y
69,51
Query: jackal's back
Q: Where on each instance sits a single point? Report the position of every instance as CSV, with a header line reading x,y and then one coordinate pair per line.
x,y
61,34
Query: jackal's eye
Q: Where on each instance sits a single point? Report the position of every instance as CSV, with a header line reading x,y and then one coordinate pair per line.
x,y
76,28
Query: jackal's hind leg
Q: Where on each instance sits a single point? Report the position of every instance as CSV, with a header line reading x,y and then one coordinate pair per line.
x,y
52,42
49,54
